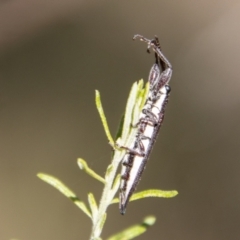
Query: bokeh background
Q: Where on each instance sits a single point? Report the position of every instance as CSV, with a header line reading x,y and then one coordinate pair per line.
x,y
54,54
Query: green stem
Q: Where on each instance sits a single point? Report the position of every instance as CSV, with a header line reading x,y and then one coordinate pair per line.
x,y
107,196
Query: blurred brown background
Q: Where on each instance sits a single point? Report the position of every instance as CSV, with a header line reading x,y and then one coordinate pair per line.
x,y
54,54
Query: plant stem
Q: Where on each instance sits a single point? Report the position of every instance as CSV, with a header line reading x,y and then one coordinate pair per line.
x,y
107,196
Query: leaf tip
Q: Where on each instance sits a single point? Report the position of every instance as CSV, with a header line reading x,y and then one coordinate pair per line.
x,y
149,220
41,175
80,163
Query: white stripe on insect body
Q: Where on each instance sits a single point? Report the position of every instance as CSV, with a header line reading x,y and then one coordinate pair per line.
x,y
150,120
139,156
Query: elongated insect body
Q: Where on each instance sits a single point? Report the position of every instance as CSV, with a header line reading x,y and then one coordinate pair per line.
x,y
135,160
150,120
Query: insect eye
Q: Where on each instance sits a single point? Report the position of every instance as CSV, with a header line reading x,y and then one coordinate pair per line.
x,y
168,88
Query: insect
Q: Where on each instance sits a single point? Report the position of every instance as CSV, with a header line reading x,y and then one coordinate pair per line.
x,y
149,123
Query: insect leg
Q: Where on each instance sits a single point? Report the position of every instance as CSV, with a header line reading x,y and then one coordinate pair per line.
x,y
134,151
154,43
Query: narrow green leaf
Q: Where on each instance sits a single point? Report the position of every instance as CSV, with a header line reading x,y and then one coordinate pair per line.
x,y
129,109
131,114
103,220
64,190
120,128
93,206
140,88
116,183
140,84
108,172
103,117
140,101
83,166
134,106
144,95
150,193
135,230
136,112
153,193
